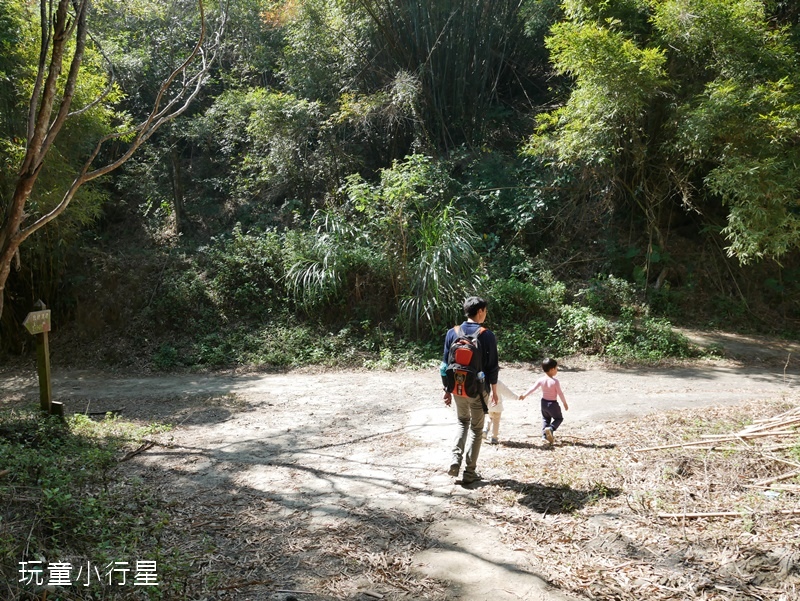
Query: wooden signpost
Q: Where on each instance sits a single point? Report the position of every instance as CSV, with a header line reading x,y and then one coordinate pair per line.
x,y
38,324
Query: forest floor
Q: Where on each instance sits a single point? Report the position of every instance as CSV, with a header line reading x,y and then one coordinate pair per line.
x,y
318,485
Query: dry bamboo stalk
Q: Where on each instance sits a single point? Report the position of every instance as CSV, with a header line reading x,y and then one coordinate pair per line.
x,y
622,565
785,487
744,434
788,412
701,442
777,478
673,446
781,460
726,514
774,424
774,419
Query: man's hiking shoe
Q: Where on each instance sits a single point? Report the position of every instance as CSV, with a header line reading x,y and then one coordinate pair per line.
x,y
470,478
453,471
494,440
548,434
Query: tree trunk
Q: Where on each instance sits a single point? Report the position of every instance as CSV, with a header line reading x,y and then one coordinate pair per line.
x,y
177,190
10,237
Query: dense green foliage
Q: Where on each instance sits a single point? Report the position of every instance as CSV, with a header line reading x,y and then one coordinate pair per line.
x,y
596,169
682,104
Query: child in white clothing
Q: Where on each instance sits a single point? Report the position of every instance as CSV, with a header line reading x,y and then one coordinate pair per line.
x,y
551,392
493,417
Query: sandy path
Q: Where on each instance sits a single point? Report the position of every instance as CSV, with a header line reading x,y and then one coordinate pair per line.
x,y
332,443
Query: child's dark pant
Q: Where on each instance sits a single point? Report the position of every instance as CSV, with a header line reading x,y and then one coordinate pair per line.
x,y
551,415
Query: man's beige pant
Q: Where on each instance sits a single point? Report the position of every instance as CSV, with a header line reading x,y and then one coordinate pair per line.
x,y
469,432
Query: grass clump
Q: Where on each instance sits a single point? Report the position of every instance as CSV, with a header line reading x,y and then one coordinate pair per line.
x,y
61,501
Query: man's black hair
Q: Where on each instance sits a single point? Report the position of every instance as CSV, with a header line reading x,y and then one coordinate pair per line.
x,y
474,304
549,364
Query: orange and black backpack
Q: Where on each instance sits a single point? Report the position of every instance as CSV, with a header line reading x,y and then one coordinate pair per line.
x,y
464,371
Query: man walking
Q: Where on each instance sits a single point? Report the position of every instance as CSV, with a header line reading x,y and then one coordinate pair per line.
x,y
471,410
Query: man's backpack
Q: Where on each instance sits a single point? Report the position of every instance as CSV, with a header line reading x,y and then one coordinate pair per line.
x,y
464,372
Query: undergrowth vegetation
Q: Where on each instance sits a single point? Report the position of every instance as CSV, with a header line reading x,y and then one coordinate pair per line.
x,y
63,501
375,277
239,301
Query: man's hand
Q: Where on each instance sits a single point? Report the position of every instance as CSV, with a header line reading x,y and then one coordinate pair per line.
x,y
495,399
447,397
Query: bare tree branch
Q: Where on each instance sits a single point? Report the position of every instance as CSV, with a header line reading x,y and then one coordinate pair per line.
x,y
59,28
146,129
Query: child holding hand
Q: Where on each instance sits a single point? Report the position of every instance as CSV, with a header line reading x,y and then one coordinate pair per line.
x,y
551,392
491,430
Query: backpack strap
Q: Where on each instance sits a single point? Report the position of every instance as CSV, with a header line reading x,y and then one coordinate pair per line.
x,y
478,332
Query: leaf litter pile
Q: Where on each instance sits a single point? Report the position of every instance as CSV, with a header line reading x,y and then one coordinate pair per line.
x,y
256,549
679,505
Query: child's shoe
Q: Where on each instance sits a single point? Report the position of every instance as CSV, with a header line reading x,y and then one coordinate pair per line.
x,y
548,434
494,440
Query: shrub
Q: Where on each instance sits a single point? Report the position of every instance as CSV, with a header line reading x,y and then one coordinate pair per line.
x,y
580,330
515,302
525,342
399,247
668,301
609,295
166,357
235,276
647,339
338,271
245,271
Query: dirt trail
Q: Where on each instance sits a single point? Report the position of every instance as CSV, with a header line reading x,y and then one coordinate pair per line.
x,y
324,447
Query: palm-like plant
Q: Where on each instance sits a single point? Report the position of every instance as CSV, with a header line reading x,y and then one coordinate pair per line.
x,y
401,239
338,267
445,269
